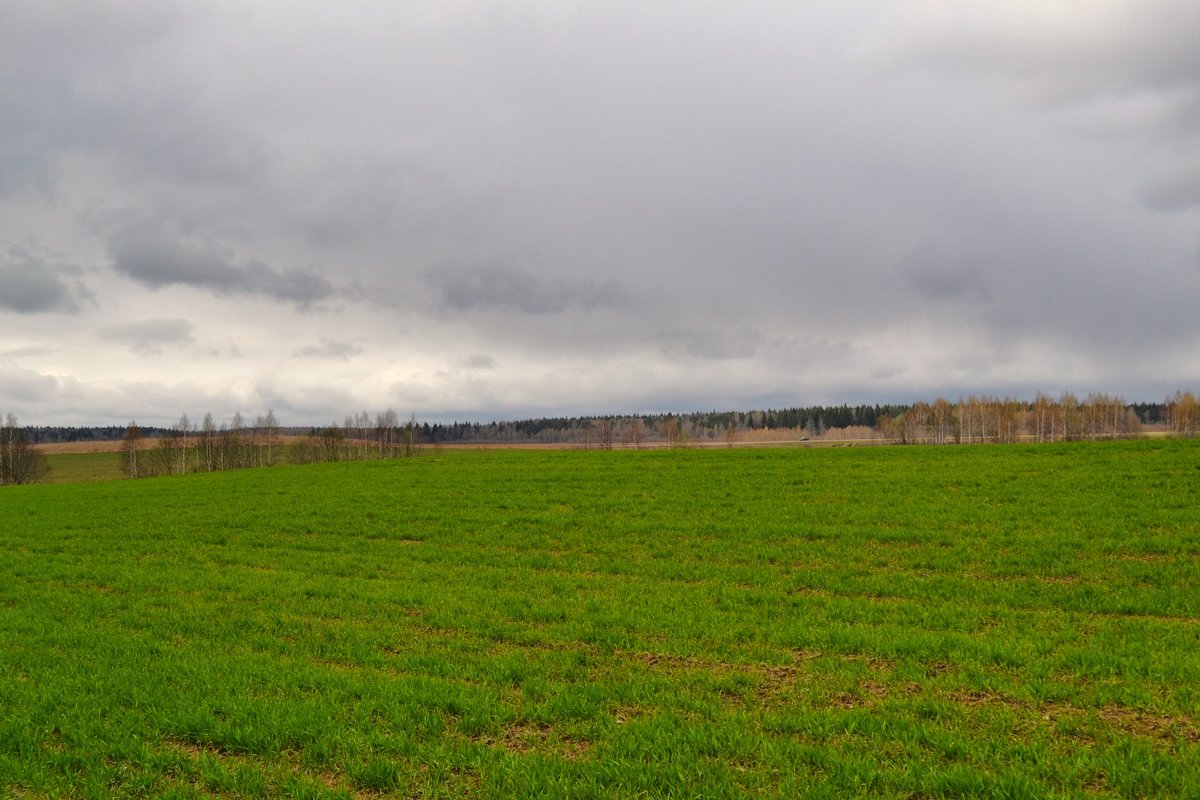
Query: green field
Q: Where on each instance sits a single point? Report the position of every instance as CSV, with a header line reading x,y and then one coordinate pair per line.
x,y
995,621
83,467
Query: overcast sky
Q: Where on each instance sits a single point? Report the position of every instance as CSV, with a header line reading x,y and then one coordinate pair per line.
x,y
491,210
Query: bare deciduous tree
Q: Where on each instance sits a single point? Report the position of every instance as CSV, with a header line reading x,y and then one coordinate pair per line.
x,y
635,432
184,426
208,442
1183,414
385,432
270,436
409,436
167,454
131,447
940,420
672,433
235,444
604,434
20,461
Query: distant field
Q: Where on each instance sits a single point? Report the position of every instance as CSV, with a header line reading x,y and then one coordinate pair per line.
x,y
77,467
999,621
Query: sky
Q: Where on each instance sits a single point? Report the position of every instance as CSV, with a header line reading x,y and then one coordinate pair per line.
x,y
497,210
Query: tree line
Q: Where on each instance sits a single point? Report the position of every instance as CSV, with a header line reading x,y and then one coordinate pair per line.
x,y
635,428
975,420
970,420
238,444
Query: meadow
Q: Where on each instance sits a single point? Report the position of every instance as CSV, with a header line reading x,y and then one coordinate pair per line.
x,y
83,467
993,621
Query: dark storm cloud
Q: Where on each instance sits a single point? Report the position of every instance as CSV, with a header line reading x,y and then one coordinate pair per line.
x,y
150,337
156,259
512,290
329,349
30,284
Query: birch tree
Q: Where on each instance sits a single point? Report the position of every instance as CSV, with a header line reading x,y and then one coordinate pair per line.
x,y
131,447
940,420
385,432
235,443
20,461
409,436
635,432
184,426
208,441
270,435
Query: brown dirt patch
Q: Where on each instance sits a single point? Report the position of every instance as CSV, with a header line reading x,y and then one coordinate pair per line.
x,y
1119,718
523,738
1155,726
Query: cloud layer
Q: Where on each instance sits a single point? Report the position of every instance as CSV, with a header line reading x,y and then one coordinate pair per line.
x,y
488,210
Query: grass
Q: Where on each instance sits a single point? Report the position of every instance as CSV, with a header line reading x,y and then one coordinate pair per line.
x,y
83,467
892,622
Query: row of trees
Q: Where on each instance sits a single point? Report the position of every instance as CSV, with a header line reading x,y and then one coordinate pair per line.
x,y
633,429
968,420
213,447
974,419
20,461
1183,414
971,420
360,438
207,447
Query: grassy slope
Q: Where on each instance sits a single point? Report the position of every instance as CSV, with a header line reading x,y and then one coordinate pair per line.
x,y
958,622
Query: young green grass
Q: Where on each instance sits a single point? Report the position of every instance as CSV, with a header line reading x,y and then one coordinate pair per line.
x,y
890,622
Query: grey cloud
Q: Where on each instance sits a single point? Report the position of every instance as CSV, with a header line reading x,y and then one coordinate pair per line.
x,y
478,361
30,284
938,273
110,89
330,349
512,290
318,403
55,105
156,259
20,386
1177,191
150,337
1129,68
716,343
683,180
799,355
1051,51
